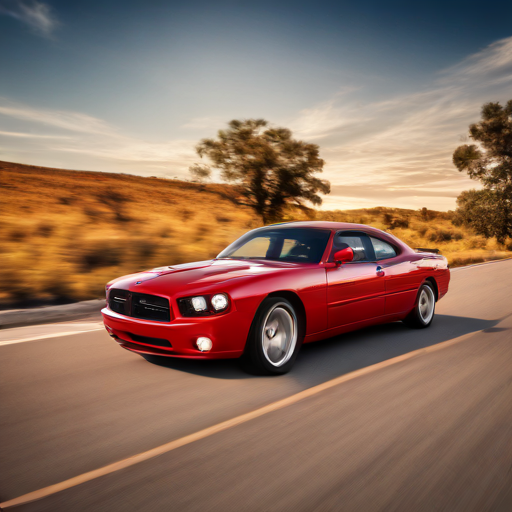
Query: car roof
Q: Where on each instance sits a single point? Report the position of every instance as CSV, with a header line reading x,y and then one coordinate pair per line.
x,y
323,224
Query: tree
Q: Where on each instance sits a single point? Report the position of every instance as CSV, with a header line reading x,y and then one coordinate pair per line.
x,y
485,211
200,172
269,168
488,211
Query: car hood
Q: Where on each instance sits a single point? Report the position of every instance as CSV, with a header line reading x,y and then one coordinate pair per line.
x,y
190,277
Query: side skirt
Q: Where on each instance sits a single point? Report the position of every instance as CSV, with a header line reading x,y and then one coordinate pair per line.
x,y
335,331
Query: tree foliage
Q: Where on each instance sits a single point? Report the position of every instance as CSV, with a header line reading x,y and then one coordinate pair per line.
x,y
200,172
488,211
269,167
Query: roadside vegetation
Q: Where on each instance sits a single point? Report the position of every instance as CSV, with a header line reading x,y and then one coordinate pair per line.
x,y
488,160
64,234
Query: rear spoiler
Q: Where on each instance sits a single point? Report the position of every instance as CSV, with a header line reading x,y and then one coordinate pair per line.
x,y
423,249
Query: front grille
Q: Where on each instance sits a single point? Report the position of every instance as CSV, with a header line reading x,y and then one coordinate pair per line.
x,y
139,305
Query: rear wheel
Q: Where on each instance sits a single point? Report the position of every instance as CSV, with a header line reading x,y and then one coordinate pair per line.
x,y
423,313
274,340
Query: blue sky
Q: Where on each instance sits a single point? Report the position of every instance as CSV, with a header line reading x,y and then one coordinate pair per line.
x,y
387,89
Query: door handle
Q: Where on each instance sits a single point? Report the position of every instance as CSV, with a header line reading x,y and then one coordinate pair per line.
x,y
380,271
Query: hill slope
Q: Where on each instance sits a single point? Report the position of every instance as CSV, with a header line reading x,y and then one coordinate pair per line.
x,y
64,234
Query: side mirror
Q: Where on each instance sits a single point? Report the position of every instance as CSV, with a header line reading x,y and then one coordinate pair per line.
x,y
344,255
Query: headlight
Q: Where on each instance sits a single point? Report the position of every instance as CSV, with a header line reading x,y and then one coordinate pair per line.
x,y
219,302
198,303
203,305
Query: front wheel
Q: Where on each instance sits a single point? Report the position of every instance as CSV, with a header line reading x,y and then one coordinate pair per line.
x,y
274,340
423,313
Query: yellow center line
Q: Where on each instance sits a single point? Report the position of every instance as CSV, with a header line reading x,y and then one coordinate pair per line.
x,y
196,436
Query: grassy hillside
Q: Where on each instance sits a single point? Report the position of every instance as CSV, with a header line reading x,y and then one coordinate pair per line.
x,y
64,234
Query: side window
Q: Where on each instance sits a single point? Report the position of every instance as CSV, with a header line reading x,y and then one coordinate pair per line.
x,y
357,241
383,250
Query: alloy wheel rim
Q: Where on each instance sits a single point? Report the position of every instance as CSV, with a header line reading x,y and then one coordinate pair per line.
x,y
279,335
426,303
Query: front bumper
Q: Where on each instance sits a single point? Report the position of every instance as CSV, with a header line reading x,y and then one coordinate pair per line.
x,y
228,333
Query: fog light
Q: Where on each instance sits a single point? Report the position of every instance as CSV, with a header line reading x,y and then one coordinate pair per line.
x,y
204,344
110,331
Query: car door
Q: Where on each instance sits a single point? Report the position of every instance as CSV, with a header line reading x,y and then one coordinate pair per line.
x,y
355,290
402,277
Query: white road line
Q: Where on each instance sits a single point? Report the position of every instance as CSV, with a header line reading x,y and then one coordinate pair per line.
x,y
244,418
479,264
45,336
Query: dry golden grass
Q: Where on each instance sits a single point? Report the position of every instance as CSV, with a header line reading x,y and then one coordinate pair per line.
x,y
64,234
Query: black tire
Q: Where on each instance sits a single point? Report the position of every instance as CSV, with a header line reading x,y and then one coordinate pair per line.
x,y
277,358
421,316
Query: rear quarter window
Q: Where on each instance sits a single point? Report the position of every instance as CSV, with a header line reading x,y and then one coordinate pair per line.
x,y
382,249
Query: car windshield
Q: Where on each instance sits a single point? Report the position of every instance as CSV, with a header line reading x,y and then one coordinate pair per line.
x,y
304,245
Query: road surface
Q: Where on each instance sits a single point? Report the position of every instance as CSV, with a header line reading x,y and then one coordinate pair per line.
x,y
425,423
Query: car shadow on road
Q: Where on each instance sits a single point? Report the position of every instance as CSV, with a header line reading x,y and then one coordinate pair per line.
x,y
330,358
324,360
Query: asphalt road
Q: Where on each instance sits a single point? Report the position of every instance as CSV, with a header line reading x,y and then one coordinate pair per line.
x,y
429,432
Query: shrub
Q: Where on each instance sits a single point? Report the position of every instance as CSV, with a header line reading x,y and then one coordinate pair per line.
x,y
439,235
393,222
101,253
476,242
387,218
45,229
421,230
17,235
115,201
93,213
111,196
460,261
143,249
166,232
400,223
186,214
201,232
59,288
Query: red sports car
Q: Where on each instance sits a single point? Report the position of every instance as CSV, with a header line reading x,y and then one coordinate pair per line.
x,y
273,289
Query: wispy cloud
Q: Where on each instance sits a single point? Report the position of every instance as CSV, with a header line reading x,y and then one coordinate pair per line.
x,y
31,135
38,16
93,142
67,120
399,151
